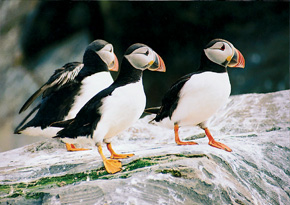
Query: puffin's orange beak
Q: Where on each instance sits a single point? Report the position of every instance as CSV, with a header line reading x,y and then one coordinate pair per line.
x,y
238,60
158,65
114,66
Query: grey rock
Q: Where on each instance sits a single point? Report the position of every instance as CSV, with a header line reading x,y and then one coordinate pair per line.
x,y
255,126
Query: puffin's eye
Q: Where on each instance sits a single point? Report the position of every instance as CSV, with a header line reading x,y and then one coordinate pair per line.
x,y
223,47
147,53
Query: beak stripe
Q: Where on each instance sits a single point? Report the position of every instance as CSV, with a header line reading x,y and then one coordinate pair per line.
x,y
241,60
160,67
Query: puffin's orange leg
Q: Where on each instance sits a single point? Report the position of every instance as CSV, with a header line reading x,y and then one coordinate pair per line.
x,y
177,140
112,166
114,155
214,143
72,148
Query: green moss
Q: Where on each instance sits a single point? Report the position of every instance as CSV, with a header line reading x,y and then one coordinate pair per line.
x,y
67,179
245,136
4,189
125,176
173,172
139,163
46,182
22,185
37,195
157,158
273,129
191,155
239,202
96,174
14,195
108,176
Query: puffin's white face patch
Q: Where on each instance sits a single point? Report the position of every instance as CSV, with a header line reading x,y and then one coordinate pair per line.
x,y
107,54
219,52
141,58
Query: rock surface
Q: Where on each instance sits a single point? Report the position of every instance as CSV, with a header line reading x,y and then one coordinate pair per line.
x,y
255,126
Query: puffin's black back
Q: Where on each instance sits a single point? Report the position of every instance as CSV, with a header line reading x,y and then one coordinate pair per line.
x,y
51,110
171,98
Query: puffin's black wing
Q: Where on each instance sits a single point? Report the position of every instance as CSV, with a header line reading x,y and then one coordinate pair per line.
x,y
61,77
87,118
170,99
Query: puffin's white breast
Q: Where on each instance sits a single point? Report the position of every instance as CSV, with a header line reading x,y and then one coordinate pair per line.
x,y
201,96
91,85
120,110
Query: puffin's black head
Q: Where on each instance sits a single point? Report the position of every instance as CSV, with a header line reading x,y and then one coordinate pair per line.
x,y
143,57
223,53
138,58
101,54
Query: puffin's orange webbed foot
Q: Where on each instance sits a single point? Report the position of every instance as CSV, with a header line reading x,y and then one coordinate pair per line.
x,y
72,148
112,166
214,143
121,156
114,155
177,140
219,145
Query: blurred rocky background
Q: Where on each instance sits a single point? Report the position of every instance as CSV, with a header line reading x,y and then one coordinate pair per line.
x,y
36,37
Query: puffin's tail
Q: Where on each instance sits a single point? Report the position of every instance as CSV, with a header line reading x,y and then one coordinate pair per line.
x,y
61,124
20,127
32,98
152,110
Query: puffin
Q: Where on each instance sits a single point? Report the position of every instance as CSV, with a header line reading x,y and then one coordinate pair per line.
x,y
68,89
115,108
195,97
